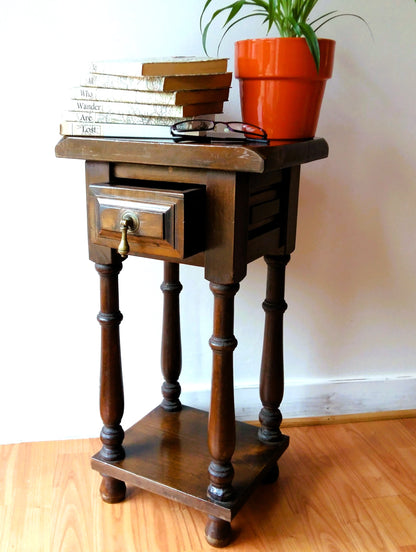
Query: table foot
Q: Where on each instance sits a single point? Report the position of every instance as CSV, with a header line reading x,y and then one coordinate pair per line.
x,y
112,490
272,475
218,532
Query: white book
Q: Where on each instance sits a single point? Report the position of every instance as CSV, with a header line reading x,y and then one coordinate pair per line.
x,y
87,117
159,84
179,97
149,110
69,128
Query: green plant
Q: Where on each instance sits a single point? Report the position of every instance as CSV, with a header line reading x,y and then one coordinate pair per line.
x,y
291,18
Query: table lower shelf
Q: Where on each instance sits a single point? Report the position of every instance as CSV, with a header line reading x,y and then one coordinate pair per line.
x,y
167,454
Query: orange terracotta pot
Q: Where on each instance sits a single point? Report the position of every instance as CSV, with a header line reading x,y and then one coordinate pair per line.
x,y
280,88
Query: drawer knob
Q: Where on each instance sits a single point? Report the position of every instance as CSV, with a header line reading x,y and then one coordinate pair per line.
x,y
129,222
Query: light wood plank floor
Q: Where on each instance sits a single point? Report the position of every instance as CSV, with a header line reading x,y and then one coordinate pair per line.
x,y
348,487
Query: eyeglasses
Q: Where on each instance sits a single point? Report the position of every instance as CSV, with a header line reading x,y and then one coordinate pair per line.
x,y
189,130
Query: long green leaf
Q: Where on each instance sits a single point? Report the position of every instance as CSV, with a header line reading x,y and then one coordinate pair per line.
x,y
344,15
207,3
322,17
234,10
306,8
208,25
254,14
291,18
312,41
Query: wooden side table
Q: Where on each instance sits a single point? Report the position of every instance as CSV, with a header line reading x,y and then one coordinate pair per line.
x,y
218,207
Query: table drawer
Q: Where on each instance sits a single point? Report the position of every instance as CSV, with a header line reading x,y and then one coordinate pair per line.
x,y
167,223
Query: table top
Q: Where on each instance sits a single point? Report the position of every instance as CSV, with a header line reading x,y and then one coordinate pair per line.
x,y
217,156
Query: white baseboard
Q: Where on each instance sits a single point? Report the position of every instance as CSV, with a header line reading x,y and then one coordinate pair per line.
x,y
321,397
303,399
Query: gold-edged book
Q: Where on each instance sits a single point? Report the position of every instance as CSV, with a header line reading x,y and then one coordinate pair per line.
x,y
148,110
153,67
159,84
179,97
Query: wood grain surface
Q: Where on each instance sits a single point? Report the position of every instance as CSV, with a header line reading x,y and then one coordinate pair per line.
x,y
346,487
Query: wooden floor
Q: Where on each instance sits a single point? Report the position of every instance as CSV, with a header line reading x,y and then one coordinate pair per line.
x,y
348,487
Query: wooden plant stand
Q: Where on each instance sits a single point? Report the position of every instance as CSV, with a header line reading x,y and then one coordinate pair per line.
x,y
218,207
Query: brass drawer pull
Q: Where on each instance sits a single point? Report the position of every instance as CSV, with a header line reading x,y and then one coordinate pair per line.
x,y
129,222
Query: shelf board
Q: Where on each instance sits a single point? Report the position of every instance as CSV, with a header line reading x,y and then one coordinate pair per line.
x,y
167,454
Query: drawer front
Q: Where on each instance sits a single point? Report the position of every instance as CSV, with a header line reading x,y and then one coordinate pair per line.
x,y
154,220
168,223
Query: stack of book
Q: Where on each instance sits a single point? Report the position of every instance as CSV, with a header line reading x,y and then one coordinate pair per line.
x,y
143,99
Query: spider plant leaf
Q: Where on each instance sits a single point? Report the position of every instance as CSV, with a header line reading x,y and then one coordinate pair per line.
x,y
208,25
306,8
235,8
312,42
344,15
254,14
272,8
207,3
217,12
296,29
263,4
322,17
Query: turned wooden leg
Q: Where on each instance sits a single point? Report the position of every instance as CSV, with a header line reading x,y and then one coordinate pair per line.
x,y
217,532
111,383
272,376
221,425
171,358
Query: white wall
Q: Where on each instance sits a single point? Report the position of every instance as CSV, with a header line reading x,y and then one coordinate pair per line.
x,y
351,289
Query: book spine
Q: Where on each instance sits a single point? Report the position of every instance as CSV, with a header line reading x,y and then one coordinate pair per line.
x,y
148,110
127,108
86,117
178,97
149,84
128,96
117,68
114,130
162,67
107,108
158,84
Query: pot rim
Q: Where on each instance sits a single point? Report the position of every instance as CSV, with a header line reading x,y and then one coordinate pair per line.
x,y
278,38
282,57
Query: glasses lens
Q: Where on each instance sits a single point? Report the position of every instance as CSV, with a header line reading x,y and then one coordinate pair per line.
x,y
193,124
247,129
